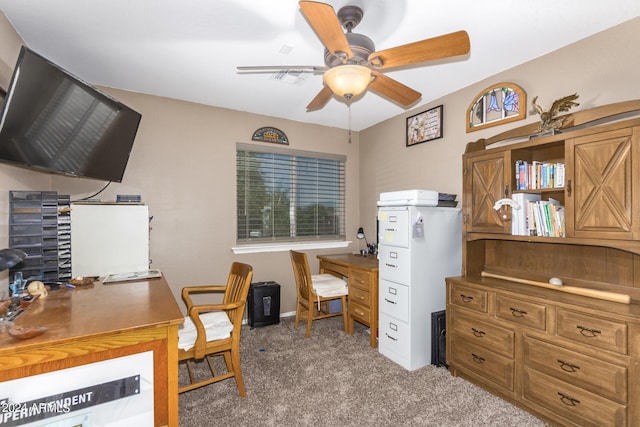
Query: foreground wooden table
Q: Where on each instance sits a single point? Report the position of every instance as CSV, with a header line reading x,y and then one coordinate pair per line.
x,y
96,323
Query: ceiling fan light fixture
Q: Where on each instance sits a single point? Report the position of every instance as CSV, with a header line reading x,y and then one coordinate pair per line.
x,y
348,80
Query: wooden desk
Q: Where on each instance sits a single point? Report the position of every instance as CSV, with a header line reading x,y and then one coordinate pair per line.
x,y
362,274
97,323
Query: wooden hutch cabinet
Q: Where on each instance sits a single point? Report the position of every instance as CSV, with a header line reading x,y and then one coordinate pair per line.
x,y
569,359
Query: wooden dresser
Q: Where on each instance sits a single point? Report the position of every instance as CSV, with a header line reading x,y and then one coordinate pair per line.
x,y
570,359
362,274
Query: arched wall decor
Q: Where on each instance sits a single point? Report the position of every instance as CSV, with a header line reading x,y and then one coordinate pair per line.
x,y
496,105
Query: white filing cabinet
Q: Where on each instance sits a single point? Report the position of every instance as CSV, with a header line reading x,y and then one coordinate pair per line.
x,y
109,238
418,248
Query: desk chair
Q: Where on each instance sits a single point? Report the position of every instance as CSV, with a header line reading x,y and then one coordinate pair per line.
x,y
214,329
315,292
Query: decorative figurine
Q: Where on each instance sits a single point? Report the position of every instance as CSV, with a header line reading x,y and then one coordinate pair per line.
x,y
548,119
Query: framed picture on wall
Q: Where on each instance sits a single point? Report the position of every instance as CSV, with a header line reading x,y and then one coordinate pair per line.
x,y
425,126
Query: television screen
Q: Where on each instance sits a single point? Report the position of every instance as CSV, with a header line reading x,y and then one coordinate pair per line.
x,y
54,122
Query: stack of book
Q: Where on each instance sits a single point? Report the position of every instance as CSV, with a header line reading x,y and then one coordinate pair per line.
x,y
538,175
536,217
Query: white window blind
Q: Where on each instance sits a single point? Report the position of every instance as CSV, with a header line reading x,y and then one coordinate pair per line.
x,y
288,195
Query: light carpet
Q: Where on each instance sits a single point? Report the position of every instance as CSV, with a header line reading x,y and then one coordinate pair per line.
x,y
335,379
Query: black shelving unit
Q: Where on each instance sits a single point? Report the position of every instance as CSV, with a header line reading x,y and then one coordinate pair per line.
x,y
64,237
33,228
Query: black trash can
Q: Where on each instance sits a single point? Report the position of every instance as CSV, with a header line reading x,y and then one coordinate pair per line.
x,y
263,304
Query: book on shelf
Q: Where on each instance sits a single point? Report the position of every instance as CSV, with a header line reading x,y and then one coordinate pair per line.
x,y
546,218
537,175
520,216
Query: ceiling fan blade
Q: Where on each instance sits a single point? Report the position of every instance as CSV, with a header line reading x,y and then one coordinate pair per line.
x,y
325,23
393,89
251,69
444,46
321,99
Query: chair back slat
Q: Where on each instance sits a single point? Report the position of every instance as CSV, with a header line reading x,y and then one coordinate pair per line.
x,y
238,283
302,274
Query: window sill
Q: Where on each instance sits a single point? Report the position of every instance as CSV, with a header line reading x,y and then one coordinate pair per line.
x,y
281,247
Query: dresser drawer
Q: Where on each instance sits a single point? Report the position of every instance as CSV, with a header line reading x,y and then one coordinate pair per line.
x,y
394,300
481,333
470,298
360,297
360,313
581,407
360,279
594,331
587,372
481,361
521,312
395,264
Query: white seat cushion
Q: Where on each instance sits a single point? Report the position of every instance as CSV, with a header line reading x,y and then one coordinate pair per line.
x,y
328,285
216,325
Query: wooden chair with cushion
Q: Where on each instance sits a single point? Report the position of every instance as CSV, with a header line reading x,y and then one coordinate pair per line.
x,y
214,329
315,292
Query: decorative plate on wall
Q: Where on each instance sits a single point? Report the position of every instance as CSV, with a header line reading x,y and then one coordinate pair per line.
x,y
269,134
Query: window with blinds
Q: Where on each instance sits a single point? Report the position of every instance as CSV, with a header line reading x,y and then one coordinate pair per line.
x,y
288,195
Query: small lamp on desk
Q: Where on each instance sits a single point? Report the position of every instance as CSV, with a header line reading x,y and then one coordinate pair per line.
x,y
360,235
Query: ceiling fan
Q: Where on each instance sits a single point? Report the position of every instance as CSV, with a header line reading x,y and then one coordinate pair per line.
x,y
352,63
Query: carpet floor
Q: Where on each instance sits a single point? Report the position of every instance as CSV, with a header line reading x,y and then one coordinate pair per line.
x,y
335,379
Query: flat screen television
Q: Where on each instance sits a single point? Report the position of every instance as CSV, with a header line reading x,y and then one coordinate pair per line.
x,y
54,122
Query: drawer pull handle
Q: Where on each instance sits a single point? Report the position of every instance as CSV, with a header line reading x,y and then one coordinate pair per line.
x,y
568,367
477,358
516,312
478,333
588,332
390,265
466,298
391,338
389,301
568,400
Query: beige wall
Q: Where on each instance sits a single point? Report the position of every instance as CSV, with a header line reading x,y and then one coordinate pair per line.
x,y
183,165
183,160
602,69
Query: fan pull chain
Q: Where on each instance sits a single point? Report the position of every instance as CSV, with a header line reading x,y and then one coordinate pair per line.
x,y
349,106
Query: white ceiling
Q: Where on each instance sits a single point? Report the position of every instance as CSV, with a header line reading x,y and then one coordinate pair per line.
x,y
189,49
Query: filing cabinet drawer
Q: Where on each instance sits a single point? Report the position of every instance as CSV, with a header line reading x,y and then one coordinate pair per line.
x,y
587,372
394,336
481,333
395,264
594,331
469,298
524,313
481,361
393,226
359,296
575,404
394,300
